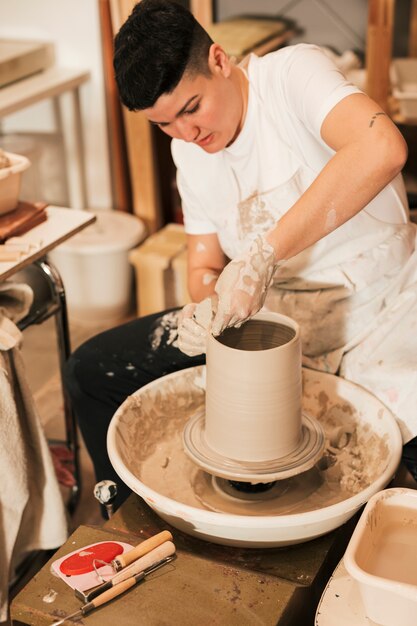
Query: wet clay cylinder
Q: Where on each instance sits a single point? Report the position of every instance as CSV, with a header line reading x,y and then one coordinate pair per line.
x,y
254,387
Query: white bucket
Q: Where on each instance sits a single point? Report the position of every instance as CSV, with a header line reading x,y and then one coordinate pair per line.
x,y
95,269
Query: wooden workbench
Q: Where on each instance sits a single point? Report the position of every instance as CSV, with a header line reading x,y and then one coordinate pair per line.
x,y
61,224
207,584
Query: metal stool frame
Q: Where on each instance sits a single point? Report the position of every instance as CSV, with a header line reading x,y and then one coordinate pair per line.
x,y
41,310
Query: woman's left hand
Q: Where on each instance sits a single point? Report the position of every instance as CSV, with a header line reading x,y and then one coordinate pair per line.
x,y
243,284
194,323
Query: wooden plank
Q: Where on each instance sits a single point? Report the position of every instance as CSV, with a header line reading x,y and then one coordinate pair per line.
x,y
412,44
119,168
145,193
146,201
241,35
274,43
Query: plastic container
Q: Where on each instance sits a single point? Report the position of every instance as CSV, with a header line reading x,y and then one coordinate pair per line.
x,y
382,557
10,181
404,85
95,269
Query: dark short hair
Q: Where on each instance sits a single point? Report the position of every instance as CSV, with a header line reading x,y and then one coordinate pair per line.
x,y
155,47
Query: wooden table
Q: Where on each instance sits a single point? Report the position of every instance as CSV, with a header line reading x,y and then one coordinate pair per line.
x,y
62,223
206,584
55,83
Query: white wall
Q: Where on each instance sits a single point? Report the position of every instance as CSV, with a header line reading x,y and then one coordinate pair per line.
x,y
73,26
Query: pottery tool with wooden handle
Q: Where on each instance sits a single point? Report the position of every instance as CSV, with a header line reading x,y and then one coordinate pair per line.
x,y
157,556
143,548
115,591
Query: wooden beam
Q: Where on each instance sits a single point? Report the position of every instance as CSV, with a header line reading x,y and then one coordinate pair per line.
x,y
121,193
412,43
379,50
202,11
141,154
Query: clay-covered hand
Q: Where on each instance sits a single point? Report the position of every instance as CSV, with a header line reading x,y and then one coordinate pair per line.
x,y
194,322
243,284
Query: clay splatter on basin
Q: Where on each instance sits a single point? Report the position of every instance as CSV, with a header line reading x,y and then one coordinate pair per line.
x,y
156,415
150,430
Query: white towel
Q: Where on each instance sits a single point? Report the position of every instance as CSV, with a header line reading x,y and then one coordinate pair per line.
x,y
32,512
15,300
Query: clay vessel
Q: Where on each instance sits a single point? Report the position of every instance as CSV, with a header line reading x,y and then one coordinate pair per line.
x,y
254,389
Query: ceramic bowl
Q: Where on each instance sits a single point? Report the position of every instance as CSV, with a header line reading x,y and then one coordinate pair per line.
x,y
322,392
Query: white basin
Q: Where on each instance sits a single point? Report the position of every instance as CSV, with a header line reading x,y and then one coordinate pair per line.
x,y
161,409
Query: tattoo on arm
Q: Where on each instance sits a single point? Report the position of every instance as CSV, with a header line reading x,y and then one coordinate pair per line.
x,y
374,118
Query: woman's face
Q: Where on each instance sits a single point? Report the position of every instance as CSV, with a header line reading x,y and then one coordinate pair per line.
x,y
207,110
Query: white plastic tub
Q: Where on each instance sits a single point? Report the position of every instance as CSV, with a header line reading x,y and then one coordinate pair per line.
x,y
382,557
95,269
10,181
404,83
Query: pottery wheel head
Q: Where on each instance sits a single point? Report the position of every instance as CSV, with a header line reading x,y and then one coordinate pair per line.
x,y
306,455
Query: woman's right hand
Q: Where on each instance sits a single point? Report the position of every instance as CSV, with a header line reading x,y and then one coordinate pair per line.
x,y
194,324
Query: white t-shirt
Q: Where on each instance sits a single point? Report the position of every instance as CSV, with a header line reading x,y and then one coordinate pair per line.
x,y
235,192
336,288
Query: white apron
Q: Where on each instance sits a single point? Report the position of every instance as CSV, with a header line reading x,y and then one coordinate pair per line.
x,y
354,292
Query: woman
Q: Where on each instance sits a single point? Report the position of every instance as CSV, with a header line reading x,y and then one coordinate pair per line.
x,y
292,198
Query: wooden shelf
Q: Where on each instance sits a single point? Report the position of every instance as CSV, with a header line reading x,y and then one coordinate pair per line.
x,y
241,35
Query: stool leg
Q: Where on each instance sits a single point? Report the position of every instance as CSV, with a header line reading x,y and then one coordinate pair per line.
x,y
64,351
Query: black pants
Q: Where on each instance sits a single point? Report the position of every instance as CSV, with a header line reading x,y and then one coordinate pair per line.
x,y
106,369
409,457
112,365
